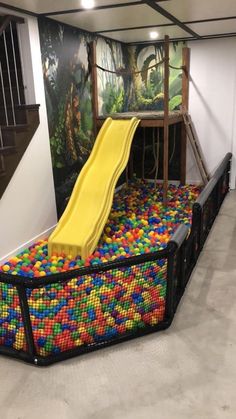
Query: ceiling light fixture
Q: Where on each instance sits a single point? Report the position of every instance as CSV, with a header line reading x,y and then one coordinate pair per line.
x,y
88,4
153,35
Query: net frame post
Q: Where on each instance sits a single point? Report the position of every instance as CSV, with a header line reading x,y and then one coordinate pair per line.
x,y
25,313
169,309
185,105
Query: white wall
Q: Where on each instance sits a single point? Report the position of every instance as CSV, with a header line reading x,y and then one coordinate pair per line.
x,y
27,208
212,101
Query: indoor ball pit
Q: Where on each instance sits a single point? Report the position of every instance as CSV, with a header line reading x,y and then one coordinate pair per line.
x,y
92,308
54,308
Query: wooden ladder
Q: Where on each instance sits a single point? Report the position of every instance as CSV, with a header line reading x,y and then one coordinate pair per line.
x,y
195,144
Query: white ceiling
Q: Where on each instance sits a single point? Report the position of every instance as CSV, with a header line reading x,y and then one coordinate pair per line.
x,y
118,19
142,35
99,20
187,10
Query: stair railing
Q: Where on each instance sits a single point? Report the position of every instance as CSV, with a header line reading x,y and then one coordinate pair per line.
x,y
9,50
3,95
15,66
9,78
11,100
2,163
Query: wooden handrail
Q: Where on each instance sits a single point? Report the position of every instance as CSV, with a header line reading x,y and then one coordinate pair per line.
x,y
7,19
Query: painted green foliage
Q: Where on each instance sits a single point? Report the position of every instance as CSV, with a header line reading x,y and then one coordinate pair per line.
x,y
68,96
111,56
141,88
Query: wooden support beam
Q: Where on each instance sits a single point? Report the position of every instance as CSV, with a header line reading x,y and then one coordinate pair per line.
x,y
93,62
185,105
185,77
183,154
166,120
151,123
143,153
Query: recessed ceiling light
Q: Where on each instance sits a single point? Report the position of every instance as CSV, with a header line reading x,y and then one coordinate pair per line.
x,y
88,4
153,35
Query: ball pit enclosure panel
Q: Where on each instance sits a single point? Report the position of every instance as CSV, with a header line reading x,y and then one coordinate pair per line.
x,y
136,292
146,290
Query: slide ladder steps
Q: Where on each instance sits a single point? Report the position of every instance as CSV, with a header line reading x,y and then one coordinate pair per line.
x,y
196,147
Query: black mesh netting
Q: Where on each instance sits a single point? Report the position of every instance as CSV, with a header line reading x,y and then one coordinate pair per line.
x,y
98,307
11,324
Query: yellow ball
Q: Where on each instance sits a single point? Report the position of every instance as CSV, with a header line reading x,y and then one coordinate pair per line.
x,y
110,321
129,324
137,317
42,273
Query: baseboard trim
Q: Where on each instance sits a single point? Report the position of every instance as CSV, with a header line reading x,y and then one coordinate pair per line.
x,y
25,245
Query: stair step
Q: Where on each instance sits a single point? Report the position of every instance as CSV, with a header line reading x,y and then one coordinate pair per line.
x,y
7,150
13,87
18,141
21,107
15,128
9,138
20,115
28,107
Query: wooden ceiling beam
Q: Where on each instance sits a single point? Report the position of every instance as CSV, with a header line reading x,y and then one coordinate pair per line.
x,y
17,9
104,7
172,18
132,28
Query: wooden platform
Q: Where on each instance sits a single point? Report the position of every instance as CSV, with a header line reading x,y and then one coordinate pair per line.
x,y
148,118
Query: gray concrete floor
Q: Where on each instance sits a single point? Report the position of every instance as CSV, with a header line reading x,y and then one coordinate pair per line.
x,y
186,372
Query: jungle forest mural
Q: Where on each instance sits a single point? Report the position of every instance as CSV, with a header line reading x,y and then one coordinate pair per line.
x,y
67,79
136,86
68,96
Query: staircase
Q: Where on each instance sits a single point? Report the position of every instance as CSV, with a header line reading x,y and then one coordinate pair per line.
x,y
18,121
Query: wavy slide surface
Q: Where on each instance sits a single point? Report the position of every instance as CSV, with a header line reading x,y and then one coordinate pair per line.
x,y
82,223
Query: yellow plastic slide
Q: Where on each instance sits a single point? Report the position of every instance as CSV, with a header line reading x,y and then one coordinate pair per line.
x,y
82,223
